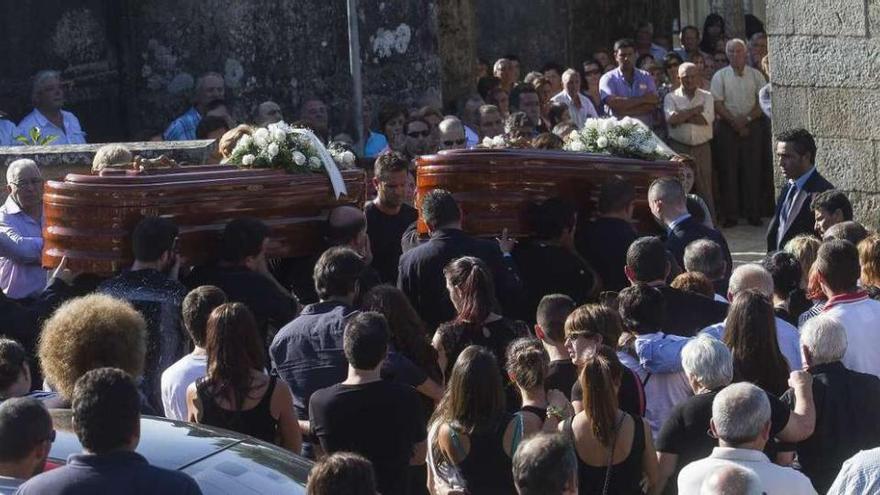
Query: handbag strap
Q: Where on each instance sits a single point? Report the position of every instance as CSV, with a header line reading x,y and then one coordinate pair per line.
x,y
611,454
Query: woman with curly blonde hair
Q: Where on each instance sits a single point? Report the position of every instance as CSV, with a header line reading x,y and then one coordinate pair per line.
x,y
86,333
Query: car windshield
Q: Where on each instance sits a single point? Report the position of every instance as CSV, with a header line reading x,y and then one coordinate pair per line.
x,y
250,468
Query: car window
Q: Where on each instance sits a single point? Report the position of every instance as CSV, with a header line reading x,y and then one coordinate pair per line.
x,y
250,468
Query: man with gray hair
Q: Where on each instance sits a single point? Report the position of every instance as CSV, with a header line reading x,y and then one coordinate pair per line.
x,y
690,113
707,257
26,436
111,156
741,422
267,112
708,366
209,87
847,404
735,89
452,135
732,480
21,231
545,464
580,108
755,277
666,199
48,116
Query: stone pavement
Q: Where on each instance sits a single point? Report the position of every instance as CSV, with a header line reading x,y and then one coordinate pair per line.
x,y
747,244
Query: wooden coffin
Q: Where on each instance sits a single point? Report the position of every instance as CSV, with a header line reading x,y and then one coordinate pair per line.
x,y
494,186
90,219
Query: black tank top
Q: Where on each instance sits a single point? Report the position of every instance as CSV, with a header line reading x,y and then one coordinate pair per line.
x,y
625,476
487,469
256,421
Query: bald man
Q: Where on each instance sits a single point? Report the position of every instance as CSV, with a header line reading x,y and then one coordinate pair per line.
x,y
21,231
732,480
209,87
690,112
452,135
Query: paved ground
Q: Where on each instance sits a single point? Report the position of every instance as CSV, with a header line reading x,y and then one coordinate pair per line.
x,y
747,243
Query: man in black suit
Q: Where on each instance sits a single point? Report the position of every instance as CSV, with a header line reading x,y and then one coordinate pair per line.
x,y
686,312
604,241
421,268
796,150
668,204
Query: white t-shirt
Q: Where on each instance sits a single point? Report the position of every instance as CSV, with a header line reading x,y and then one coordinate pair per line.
x,y
176,379
739,93
861,320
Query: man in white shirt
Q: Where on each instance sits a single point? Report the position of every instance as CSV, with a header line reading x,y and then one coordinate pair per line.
x,y
690,112
837,268
752,276
48,99
196,308
739,140
579,106
741,422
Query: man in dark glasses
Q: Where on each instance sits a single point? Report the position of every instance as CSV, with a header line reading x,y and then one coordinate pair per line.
x,y
418,137
452,134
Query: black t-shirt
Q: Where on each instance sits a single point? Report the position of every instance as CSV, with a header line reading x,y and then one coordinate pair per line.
x,y
385,232
561,375
685,432
630,396
550,269
380,420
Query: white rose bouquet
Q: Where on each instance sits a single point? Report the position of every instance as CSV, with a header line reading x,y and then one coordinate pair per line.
x,y
626,138
282,146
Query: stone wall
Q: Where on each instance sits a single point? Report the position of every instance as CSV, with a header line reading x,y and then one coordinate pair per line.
x,y
825,57
132,63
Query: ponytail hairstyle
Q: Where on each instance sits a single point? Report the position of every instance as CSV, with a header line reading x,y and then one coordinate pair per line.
x,y
599,380
473,279
527,363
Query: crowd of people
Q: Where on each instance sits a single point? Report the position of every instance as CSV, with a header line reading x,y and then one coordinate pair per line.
x,y
588,358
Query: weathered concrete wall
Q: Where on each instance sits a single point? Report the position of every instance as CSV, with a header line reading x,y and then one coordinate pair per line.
x,y
133,62
825,60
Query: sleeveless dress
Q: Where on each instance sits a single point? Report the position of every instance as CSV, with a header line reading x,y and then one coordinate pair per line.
x,y
487,469
256,421
625,475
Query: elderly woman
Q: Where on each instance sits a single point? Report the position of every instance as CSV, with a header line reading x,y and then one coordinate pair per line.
x,y
708,365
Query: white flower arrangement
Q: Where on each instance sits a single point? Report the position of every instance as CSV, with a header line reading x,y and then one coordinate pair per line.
x,y
495,142
282,146
343,156
627,138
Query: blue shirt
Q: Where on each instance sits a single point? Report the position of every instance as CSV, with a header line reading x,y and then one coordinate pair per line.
x,y
184,127
859,474
801,181
787,337
614,83
660,353
114,472
677,221
21,247
7,133
72,132
375,144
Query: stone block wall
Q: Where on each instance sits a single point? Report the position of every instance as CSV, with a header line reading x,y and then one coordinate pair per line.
x,y
825,57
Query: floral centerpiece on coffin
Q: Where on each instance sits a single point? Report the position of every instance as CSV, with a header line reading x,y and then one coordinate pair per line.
x,y
626,138
294,149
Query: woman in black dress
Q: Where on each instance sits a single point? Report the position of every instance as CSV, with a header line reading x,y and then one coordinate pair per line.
x,y
237,394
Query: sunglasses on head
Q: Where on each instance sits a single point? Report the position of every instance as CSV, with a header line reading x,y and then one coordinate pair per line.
x,y
416,134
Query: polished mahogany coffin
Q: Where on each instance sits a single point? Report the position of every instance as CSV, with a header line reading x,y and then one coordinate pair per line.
x,y
90,218
494,186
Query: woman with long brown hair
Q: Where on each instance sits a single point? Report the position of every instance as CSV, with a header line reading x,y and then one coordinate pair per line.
x,y
471,434
750,333
614,449
410,346
237,394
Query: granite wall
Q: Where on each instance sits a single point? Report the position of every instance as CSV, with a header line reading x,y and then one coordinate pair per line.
x,y
825,57
133,63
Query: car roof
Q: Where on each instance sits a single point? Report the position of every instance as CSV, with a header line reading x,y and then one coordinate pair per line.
x,y
197,449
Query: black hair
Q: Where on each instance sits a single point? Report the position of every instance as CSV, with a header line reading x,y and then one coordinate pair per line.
x,y
342,233
549,219
838,263
624,43
389,163
13,357
342,472
642,58
552,312
518,90
647,258
337,272
106,409
831,201
786,271
209,124
242,238
689,28
197,307
153,237
671,57
615,194
486,84
642,307
801,139
24,424
552,66
439,208
365,341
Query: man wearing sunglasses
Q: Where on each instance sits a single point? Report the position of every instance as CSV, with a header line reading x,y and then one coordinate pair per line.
x,y
418,137
21,232
26,436
452,135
